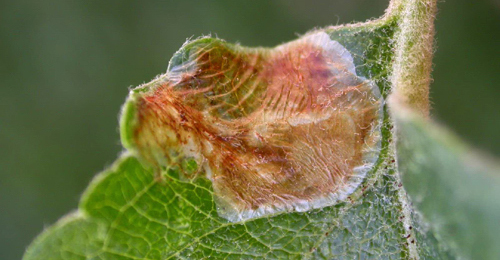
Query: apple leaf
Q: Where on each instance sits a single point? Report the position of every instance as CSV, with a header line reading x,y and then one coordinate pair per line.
x,y
286,153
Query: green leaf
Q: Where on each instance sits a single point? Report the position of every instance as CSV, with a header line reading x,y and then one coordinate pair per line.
x,y
168,196
454,188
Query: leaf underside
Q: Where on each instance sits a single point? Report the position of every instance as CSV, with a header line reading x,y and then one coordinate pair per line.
x,y
452,187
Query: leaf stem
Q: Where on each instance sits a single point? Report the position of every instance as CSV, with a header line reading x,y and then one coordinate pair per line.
x,y
414,45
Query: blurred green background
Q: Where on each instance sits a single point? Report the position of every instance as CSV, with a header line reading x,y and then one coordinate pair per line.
x,y
66,66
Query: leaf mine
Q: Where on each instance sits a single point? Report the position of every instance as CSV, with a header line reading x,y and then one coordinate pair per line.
x,y
286,129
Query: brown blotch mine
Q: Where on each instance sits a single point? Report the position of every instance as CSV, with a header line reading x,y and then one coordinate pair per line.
x,y
287,129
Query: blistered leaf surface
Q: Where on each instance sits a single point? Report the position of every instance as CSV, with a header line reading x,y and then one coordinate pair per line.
x,y
287,129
